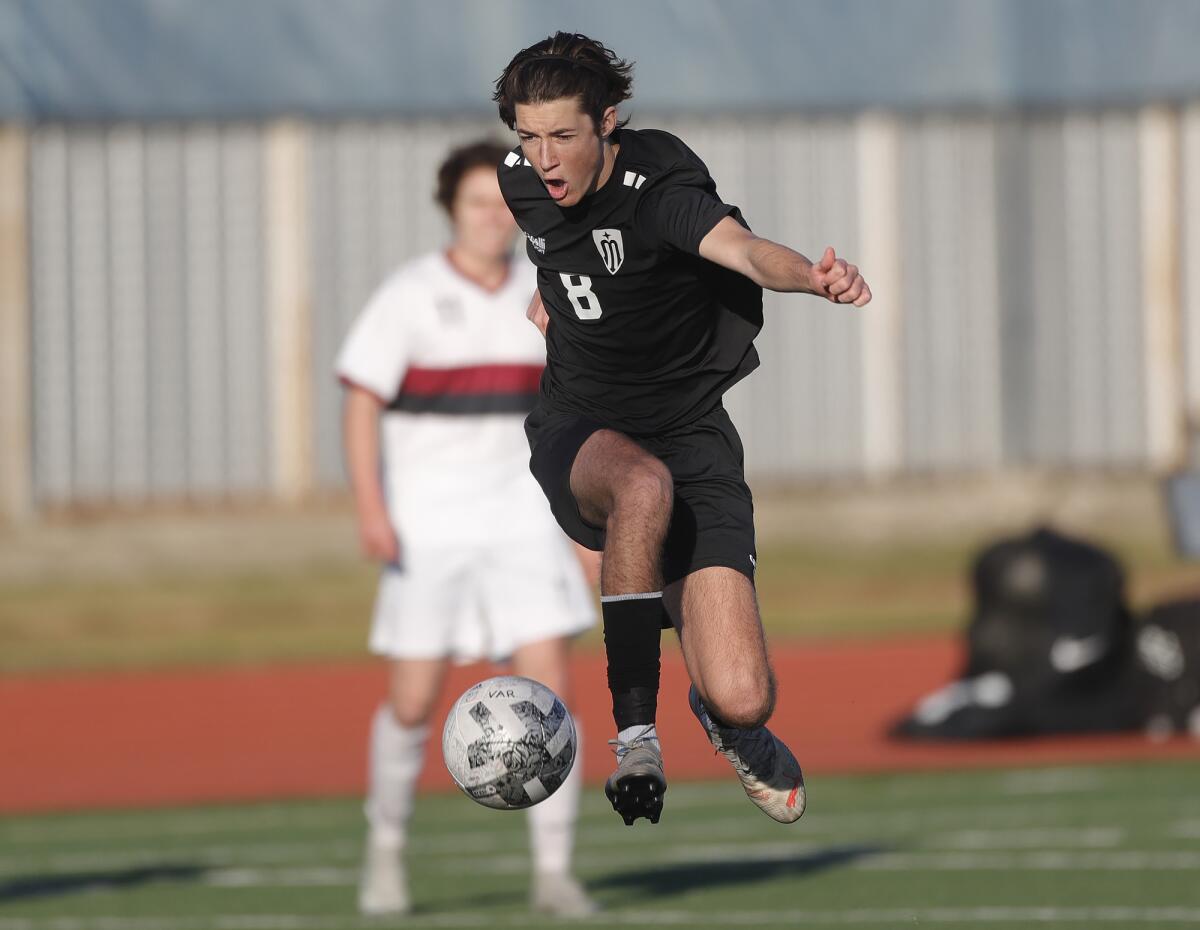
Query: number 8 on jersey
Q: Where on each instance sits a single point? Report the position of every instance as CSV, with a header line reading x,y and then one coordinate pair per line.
x,y
579,292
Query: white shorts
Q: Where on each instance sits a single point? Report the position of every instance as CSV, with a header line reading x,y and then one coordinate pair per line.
x,y
480,602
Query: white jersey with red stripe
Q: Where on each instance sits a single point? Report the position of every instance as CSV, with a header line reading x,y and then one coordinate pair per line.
x,y
457,367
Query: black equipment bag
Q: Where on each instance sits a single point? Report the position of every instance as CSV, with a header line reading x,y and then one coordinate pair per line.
x,y
1168,646
1050,647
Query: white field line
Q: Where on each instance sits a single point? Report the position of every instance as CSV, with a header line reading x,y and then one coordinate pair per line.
x,y
259,817
1020,916
778,853
282,878
1045,838
203,821
252,854
197,822
1016,782
1133,860
291,816
745,838
1187,829
1042,861
467,829
1052,781
863,824
1040,813
1128,860
444,842
746,830
509,864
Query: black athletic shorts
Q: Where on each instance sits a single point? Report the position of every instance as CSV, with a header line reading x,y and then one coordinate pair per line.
x,y
713,519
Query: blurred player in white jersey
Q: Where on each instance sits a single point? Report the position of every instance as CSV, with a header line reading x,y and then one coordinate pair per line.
x,y
441,368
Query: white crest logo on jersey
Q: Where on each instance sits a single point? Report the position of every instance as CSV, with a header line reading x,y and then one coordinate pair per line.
x,y
612,248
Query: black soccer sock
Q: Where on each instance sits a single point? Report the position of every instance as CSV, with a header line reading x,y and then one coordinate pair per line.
x,y
632,629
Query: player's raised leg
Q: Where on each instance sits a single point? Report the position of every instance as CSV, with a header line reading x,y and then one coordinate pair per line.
x,y
554,889
622,488
397,752
733,687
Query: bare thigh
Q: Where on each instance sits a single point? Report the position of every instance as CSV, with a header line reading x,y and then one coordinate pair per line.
x,y
546,661
716,613
413,689
620,486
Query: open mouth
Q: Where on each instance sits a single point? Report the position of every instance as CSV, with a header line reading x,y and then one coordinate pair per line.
x,y
557,188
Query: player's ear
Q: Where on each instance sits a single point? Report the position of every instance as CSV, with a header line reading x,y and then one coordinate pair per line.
x,y
608,122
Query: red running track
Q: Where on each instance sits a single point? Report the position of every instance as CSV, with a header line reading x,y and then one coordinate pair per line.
x,y
137,740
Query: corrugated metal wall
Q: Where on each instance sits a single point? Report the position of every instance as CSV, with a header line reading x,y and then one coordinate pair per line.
x,y
148,325
1071,323
952,352
801,413
1020,303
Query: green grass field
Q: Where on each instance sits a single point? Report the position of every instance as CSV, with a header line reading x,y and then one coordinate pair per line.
x,y
1112,846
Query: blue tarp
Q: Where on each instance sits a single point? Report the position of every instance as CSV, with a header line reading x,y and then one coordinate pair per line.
x,y
152,59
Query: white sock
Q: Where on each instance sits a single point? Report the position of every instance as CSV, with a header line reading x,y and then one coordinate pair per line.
x,y
396,756
648,732
552,823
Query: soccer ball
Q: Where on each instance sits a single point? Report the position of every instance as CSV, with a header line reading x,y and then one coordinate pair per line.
x,y
509,742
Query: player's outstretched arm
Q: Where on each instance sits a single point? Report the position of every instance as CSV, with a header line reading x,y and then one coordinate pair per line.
x,y
778,268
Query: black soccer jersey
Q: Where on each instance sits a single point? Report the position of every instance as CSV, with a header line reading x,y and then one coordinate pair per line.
x,y
645,335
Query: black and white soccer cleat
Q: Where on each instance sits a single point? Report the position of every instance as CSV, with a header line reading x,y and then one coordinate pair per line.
x,y
768,771
637,787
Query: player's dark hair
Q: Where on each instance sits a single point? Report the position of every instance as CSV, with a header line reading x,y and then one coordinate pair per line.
x,y
566,64
483,153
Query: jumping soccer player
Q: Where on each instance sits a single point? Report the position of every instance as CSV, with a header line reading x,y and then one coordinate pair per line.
x,y
650,296
474,566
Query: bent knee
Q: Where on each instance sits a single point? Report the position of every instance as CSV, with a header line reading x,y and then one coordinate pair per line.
x,y
647,487
744,708
410,714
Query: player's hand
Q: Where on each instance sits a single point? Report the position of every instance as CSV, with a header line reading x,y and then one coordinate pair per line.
x,y
836,279
377,538
537,315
